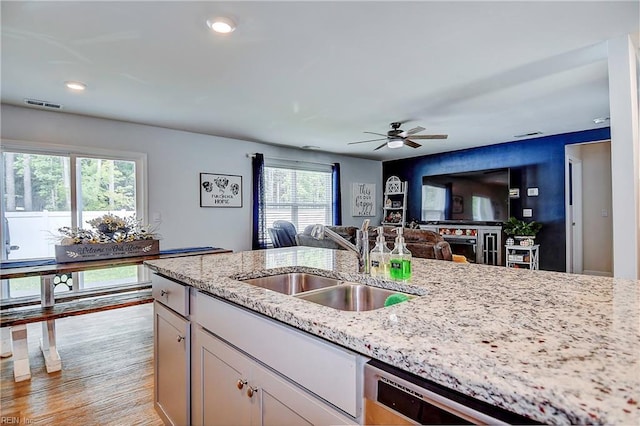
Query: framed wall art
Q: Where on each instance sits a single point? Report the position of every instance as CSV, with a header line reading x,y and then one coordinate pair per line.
x,y
220,190
363,199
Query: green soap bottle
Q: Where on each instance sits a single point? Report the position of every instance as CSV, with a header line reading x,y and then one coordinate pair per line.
x,y
400,259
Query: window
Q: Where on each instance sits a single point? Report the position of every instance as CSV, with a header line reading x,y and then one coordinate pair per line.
x,y
300,193
45,189
482,208
434,202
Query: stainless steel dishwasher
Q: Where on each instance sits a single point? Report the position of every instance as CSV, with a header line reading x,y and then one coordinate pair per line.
x,y
395,397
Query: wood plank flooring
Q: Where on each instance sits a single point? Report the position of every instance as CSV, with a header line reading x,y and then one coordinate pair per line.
x,y
106,377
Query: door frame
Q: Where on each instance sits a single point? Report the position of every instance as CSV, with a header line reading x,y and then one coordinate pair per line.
x,y
573,209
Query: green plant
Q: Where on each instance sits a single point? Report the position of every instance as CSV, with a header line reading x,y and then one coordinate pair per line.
x,y
519,227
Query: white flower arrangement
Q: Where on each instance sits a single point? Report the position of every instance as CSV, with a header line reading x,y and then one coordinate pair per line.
x,y
108,228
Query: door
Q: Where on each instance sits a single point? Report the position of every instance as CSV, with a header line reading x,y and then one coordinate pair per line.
x,y
236,390
222,384
285,404
171,336
573,207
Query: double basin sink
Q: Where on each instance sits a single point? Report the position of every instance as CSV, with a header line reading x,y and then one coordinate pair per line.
x,y
329,292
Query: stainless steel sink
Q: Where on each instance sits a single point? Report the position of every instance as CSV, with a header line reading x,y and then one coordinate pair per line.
x,y
350,297
293,283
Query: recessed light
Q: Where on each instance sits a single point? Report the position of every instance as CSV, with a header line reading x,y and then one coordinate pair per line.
x,y
221,25
75,85
600,120
311,147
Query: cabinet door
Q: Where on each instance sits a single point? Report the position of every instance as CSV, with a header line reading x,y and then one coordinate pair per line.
x,y
223,382
171,347
285,404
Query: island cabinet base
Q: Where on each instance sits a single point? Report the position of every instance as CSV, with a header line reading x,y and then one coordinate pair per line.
x,y
250,370
172,350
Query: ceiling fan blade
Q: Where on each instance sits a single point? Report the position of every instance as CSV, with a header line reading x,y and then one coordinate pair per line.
x,y
412,131
429,137
370,140
412,144
381,146
374,133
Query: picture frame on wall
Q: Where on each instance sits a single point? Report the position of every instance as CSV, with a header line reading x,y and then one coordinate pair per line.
x,y
363,199
219,190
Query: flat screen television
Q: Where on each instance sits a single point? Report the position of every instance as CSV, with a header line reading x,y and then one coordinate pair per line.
x,y
476,196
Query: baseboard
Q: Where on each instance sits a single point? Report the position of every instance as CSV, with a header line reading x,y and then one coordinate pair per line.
x,y
598,273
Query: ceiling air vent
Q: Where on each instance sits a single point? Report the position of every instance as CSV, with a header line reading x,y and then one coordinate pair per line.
x,y
42,104
525,135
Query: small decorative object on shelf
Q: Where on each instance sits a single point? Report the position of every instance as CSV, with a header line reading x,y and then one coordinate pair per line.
x,y
510,241
112,237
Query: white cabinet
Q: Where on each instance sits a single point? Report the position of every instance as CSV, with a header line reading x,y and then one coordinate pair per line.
x,y
172,349
248,369
234,389
523,256
395,202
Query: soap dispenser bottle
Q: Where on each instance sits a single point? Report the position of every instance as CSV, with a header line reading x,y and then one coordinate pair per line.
x,y
379,256
400,259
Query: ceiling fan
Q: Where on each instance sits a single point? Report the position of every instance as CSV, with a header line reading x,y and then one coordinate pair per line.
x,y
396,138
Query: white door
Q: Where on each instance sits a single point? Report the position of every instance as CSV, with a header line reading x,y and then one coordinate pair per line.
x,y
573,203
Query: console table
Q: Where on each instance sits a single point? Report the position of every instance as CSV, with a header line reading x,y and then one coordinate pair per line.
x,y
47,313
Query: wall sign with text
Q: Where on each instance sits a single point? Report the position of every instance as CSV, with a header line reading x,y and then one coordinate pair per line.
x,y
220,190
363,199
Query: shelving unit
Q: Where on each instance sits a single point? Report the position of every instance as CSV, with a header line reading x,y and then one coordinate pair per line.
x,y
523,256
395,202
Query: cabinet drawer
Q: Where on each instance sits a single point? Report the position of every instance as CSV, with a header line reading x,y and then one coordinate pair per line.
x,y
325,369
171,294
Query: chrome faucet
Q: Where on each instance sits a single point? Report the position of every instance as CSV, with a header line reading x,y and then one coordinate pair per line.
x,y
361,249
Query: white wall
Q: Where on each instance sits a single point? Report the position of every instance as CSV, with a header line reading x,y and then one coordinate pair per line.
x,y
175,160
596,209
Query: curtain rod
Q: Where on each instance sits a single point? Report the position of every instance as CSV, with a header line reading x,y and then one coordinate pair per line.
x,y
252,155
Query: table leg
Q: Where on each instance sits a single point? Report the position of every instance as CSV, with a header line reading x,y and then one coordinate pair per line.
x,y
46,290
21,368
48,342
5,342
52,359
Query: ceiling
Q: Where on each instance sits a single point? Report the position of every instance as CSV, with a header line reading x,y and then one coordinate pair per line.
x,y
321,73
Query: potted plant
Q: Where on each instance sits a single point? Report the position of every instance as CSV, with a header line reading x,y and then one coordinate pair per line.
x,y
521,230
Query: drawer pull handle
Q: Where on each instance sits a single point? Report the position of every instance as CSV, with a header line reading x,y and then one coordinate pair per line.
x,y
241,383
251,391
180,338
163,292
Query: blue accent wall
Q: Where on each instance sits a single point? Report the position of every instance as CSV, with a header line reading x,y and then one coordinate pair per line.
x,y
535,162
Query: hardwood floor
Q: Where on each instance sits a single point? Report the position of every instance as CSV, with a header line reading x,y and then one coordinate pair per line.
x,y
106,377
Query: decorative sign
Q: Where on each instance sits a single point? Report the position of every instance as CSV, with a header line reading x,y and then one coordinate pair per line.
x,y
220,190
82,252
363,199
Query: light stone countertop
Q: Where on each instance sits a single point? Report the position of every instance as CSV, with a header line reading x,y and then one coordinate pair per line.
x,y
558,348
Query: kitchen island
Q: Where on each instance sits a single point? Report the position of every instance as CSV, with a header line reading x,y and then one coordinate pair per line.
x,y
558,348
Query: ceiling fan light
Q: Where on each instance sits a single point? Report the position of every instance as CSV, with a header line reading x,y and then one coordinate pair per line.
x,y
395,143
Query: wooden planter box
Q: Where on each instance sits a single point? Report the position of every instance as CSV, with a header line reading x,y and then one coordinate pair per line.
x,y
82,252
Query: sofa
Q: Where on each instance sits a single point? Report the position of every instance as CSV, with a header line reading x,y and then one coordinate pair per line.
x,y
420,242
